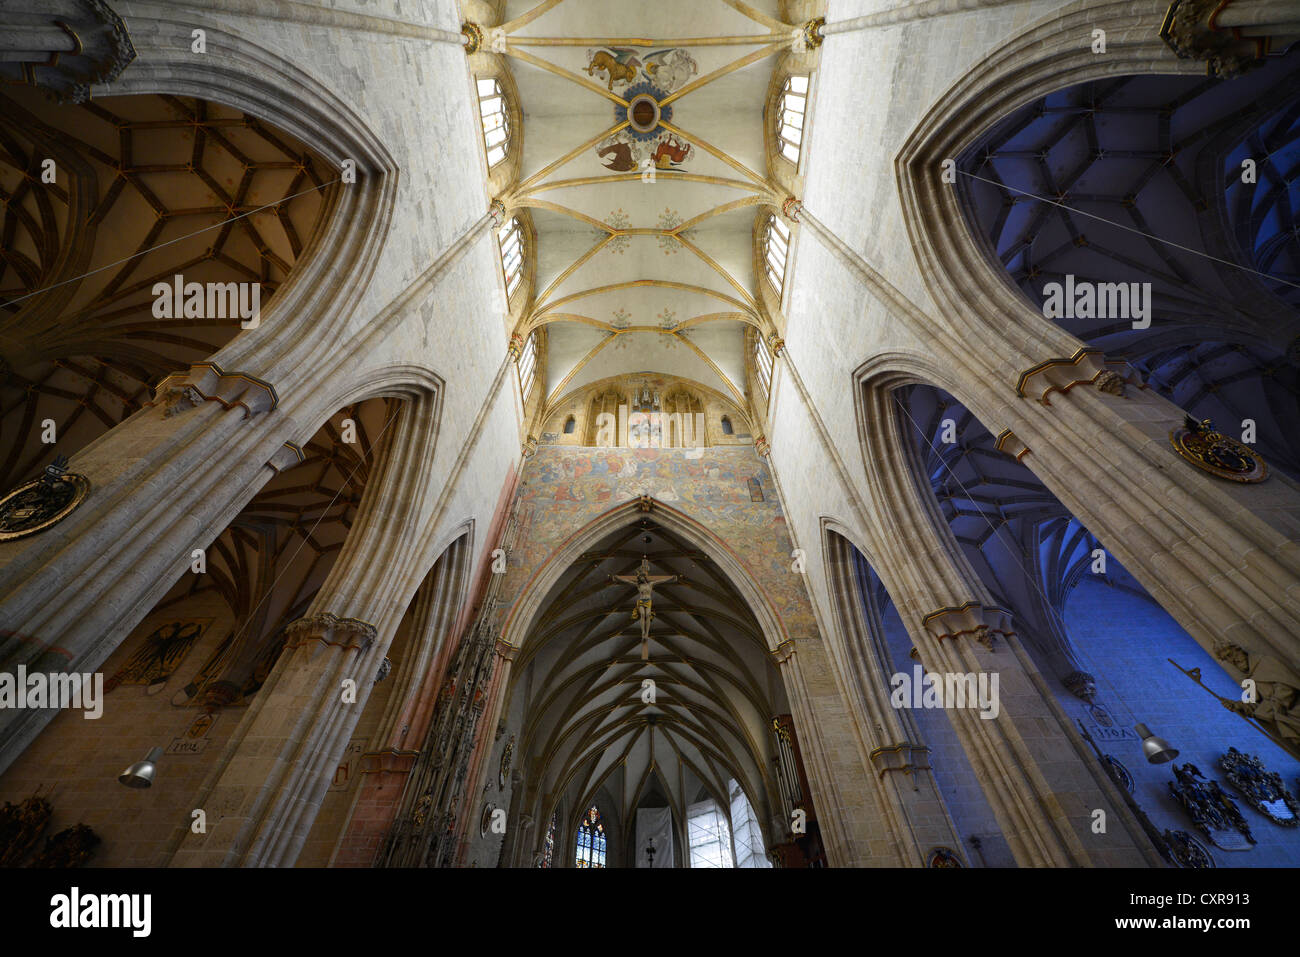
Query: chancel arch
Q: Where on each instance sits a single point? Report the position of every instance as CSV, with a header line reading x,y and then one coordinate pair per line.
x,y
597,718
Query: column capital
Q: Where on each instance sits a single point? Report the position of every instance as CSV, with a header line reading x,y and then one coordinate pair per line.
x,y
330,629
1085,367
208,382
905,757
1191,30
971,620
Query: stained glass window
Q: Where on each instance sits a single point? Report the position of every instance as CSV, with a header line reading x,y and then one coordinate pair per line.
x,y
763,364
746,835
591,840
710,838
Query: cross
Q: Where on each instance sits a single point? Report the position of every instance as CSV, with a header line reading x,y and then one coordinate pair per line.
x,y
645,583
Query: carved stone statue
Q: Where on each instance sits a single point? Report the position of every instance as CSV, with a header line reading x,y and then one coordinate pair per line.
x,y
645,583
1277,689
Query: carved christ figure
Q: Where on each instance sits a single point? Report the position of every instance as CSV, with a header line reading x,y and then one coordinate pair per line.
x,y
645,584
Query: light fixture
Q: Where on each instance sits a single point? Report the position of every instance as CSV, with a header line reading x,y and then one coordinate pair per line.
x,y
1156,749
140,774
650,852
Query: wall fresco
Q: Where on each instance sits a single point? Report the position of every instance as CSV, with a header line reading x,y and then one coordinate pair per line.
x,y
565,488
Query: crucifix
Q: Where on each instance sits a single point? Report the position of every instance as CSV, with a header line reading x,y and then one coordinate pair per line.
x,y
645,583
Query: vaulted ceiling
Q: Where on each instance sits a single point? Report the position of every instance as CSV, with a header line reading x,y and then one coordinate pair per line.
x,y
579,684
643,168
144,188
1079,182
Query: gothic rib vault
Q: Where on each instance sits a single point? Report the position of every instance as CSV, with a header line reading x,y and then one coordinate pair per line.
x,y
513,255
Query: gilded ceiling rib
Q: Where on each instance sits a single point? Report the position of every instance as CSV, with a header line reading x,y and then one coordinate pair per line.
x,y
573,154
566,74
735,65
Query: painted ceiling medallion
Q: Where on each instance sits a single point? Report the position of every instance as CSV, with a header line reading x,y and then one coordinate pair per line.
x,y
43,502
1217,453
644,80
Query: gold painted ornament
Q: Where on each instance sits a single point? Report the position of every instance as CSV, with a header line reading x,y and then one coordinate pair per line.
x,y
1216,453
42,502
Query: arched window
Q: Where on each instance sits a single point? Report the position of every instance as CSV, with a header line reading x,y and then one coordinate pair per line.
x,y
511,238
709,835
763,364
776,244
496,126
527,365
569,425
789,116
726,426
746,835
591,840
548,849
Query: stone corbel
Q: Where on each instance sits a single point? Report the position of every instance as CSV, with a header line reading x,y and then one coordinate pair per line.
x,y
64,46
904,757
1085,367
286,457
782,653
762,446
1230,35
1009,444
504,650
791,209
330,629
208,382
808,37
1081,685
972,620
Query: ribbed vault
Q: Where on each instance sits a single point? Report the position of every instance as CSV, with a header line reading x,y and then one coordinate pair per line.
x,y
1077,183
643,168
579,686
144,188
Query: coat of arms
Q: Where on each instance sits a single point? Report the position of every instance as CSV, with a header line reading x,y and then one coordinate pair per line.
x,y
1262,788
1214,813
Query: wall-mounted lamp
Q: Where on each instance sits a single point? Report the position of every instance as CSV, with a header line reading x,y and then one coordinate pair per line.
x,y
140,774
1156,749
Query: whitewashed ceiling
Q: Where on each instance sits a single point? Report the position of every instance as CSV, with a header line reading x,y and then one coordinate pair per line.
x,y
644,214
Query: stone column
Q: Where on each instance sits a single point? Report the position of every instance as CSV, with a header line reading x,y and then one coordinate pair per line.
x,y
1040,778
262,797
859,826
418,677
899,757
163,483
